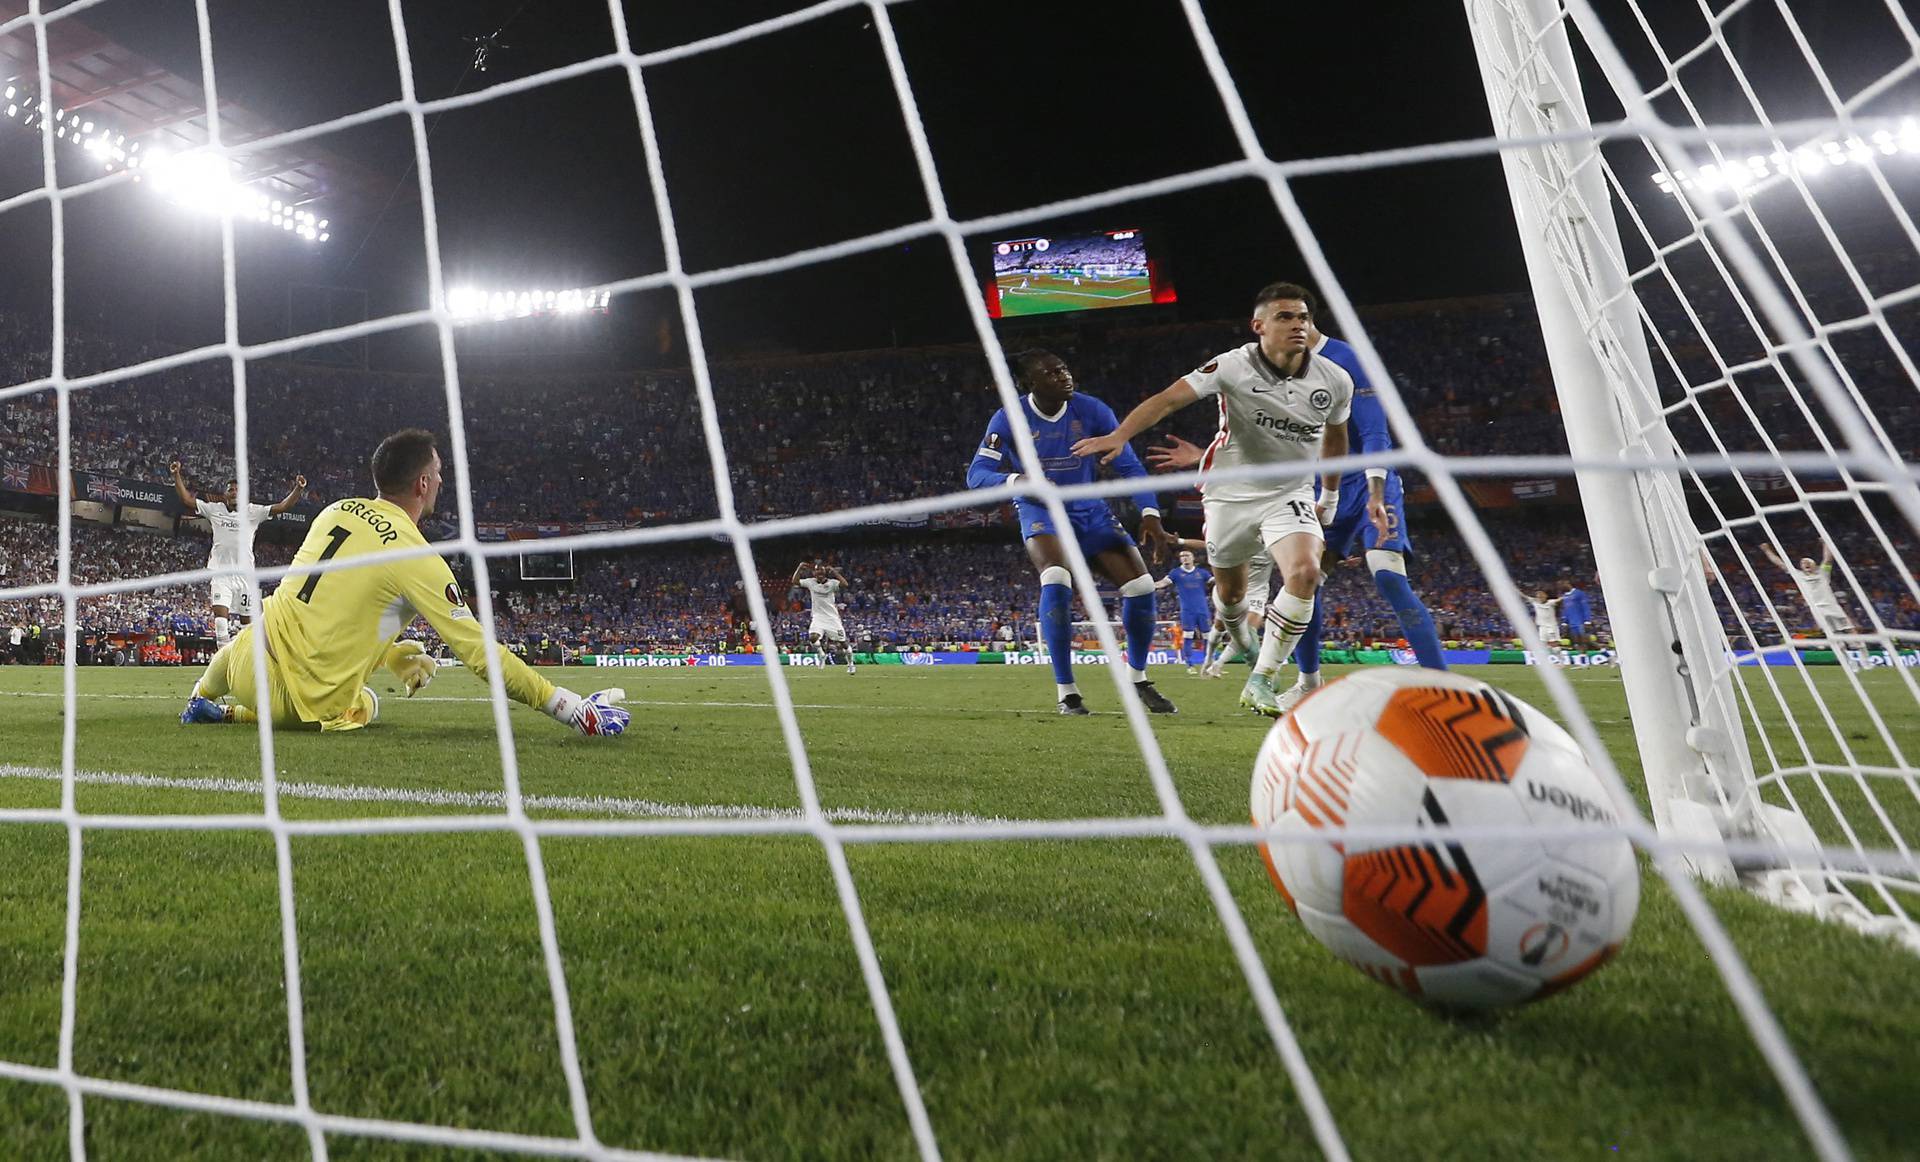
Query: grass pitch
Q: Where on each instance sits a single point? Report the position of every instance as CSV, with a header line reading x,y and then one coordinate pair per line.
x,y
1039,294
1058,999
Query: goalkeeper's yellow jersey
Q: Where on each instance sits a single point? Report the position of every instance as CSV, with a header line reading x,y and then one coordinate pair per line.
x,y
327,632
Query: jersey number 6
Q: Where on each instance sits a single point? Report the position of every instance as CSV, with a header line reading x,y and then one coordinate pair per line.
x,y
338,535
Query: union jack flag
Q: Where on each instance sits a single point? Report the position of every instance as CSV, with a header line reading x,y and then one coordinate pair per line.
x,y
14,475
103,489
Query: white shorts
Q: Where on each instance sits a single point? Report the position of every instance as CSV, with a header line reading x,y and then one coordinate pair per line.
x,y
833,631
1236,530
231,591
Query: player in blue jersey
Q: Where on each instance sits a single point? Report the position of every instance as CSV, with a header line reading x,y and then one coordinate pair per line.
x,y
1059,416
1372,514
1192,585
1576,608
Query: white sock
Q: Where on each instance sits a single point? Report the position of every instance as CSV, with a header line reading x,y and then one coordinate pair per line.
x,y
1311,681
1213,644
1287,618
1139,675
221,632
1061,690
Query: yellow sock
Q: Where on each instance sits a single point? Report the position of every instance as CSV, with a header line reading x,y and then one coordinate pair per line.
x,y
241,714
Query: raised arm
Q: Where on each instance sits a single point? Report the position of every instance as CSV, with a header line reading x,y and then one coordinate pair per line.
x,y
180,487
1826,554
293,496
1773,556
802,567
1151,411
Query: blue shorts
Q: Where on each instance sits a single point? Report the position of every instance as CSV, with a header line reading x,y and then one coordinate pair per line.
x,y
1196,620
1577,628
1097,529
1350,525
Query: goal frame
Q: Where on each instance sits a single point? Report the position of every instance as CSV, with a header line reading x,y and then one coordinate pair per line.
x,y
1676,662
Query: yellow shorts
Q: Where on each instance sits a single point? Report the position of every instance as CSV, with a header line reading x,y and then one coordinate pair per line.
x,y
231,673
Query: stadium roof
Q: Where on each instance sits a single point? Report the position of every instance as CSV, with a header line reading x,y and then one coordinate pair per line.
x,y
116,86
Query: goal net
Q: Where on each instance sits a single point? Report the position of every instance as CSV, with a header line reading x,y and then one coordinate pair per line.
x,y
1725,282
1727,390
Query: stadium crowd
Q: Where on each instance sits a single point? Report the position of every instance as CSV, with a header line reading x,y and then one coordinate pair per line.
x,y
818,433
909,591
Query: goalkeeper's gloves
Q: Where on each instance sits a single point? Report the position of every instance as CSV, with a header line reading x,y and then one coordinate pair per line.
x,y
1329,505
598,713
409,662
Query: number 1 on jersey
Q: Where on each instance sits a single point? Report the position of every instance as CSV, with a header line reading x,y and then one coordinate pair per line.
x,y
338,535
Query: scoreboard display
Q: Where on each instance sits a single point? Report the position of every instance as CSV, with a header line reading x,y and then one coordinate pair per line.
x,y
1078,271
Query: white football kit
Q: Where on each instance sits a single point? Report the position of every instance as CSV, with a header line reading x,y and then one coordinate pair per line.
x,y
232,549
826,613
1816,588
1266,418
1546,620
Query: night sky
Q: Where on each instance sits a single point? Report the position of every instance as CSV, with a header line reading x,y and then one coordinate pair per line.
x,y
795,140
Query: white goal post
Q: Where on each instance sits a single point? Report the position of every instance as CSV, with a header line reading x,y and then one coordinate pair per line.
x,y
1754,794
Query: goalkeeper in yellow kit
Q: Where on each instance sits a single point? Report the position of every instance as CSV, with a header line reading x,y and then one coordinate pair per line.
x,y
327,632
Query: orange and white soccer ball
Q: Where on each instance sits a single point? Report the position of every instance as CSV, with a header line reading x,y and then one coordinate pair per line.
x,y
1472,923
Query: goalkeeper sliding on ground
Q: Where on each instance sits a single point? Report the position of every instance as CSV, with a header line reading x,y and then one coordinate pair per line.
x,y
327,632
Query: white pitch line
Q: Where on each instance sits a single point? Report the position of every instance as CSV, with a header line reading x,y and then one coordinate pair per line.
x,y
491,800
725,704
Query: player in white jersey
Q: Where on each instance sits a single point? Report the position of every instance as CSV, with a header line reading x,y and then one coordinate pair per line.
x,y
1546,617
1281,408
232,544
1815,582
823,583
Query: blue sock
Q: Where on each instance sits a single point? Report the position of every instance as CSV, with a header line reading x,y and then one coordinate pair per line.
x,y
1136,614
1306,655
1416,624
1056,629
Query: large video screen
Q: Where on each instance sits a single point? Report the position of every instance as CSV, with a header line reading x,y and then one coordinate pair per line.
x,y
1083,271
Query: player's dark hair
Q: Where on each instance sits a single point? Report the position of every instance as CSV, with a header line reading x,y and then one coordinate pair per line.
x,y
1026,360
1275,291
400,459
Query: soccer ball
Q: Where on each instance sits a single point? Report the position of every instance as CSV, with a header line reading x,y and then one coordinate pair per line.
x,y
1470,923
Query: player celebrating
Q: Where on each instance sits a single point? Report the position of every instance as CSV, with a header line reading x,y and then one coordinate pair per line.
x,y
328,632
232,544
1546,617
1190,584
1058,416
1281,407
1815,582
825,628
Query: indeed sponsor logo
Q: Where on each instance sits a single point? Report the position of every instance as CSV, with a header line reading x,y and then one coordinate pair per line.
x,y
1287,426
